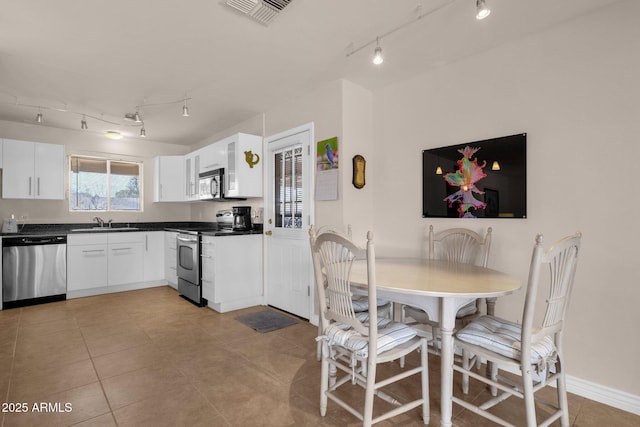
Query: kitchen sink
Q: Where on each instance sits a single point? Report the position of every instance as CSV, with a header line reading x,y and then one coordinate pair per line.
x,y
94,229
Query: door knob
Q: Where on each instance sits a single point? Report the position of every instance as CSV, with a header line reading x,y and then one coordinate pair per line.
x,y
268,232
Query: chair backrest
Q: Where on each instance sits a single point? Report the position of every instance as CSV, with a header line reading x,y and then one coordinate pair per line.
x,y
333,255
460,245
560,261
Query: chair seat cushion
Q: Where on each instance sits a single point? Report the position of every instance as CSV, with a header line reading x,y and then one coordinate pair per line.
x,y
390,334
504,337
361,303
467,310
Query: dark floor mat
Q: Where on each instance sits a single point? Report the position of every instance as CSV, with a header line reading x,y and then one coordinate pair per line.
x,y
266,320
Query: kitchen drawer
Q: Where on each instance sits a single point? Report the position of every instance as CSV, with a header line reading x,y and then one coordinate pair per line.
x,y
86,239
126,237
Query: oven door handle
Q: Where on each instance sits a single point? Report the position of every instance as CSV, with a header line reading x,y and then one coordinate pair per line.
x,y
188,240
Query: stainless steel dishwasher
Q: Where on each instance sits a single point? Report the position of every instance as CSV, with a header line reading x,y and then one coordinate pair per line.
x,y
34,270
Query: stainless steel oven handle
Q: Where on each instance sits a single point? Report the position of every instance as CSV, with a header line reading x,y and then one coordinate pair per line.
x,y
188,240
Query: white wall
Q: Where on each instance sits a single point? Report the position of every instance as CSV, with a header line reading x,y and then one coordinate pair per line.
x,y
574,89
92,144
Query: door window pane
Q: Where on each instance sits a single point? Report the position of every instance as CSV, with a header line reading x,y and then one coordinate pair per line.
x,y
288,191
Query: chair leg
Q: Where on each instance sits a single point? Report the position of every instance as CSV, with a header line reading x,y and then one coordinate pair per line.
x,y
324,378
367,414
493,374
424,360
466,367
529,401
562,398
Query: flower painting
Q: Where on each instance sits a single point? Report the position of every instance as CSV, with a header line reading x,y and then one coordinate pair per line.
x,y
465,178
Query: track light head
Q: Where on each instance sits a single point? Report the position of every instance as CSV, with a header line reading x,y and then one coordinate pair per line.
x,y
377,53
83,123
185,109
39,117
143,132
136,118
482,11
377,56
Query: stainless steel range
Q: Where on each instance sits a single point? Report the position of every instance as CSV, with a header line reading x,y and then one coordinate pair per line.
x,y
188,266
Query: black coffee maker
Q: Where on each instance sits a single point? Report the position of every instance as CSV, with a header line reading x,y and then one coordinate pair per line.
x,y
241,218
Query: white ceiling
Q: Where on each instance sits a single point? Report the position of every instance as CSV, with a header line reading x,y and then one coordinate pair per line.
x,y
103,58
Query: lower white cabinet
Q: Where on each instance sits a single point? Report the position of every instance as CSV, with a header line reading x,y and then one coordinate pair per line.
x,y
126,258
232,271
208,268
153,256
171,258
86,261
97,262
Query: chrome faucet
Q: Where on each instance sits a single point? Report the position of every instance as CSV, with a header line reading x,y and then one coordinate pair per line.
x,y
109,223
99,221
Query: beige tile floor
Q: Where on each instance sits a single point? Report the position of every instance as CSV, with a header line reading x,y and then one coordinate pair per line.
x,y
149,358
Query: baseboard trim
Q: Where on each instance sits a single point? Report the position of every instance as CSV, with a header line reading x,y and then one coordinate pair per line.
x,y
603,394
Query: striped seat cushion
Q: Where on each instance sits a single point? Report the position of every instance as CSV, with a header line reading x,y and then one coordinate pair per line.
x,y
504,337
361,302
390,334
467,309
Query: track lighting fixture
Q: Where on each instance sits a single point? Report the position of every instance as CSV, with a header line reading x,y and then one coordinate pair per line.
x,y
143,132
136,117
39,117
185,109
482,11
83,123
377,53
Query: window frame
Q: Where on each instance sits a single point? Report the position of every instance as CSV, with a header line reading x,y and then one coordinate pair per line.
x,y
108,160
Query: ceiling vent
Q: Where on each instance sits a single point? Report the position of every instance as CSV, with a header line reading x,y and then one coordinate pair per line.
x,y
263,11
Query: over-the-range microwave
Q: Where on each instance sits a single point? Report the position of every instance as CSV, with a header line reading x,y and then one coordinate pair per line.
x,y
211,185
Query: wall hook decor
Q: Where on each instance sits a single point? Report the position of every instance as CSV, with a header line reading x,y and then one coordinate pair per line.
x,y
251,159
359,164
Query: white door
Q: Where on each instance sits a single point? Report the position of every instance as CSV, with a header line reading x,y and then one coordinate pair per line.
x,y
288,214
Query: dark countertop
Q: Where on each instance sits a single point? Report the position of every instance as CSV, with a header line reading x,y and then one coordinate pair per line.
x,y
68,228
205,228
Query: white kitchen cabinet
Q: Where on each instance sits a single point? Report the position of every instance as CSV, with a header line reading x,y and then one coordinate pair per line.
x,y
236,277
125,258
213,156
244,165
153,256
169,179
86,261
191,173
32,170
171,258
208,267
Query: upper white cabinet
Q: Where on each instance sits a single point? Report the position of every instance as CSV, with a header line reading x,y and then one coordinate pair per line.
x,y
213,156
32,170
192,172
244,165
169,179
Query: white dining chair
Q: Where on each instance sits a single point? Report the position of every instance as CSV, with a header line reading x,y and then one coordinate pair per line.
x,y
457,245
353,344
534,349
360,302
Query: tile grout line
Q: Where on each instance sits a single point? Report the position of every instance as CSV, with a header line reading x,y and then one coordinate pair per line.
x,y
13,361
104,393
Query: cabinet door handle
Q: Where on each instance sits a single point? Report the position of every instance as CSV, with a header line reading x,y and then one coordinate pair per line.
x,y
146,243
29,185
120,249
206,256
92,250
38,193
268,233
